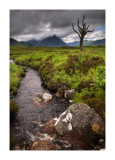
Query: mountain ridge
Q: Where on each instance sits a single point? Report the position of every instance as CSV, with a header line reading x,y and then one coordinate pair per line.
x,y
87,43
14,42
54,41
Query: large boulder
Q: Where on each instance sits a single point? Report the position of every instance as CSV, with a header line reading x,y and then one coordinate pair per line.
x,y
80,121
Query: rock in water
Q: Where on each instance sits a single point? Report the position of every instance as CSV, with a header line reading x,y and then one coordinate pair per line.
x,y
39,95
46,97
80,121
42,98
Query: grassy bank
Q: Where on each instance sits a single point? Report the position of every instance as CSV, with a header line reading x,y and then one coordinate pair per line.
x,y
16,74
68,67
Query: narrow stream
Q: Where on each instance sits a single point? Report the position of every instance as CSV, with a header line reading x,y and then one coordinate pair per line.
x,y
25,126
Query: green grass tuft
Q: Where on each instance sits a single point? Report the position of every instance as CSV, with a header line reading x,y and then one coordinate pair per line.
x,y
16,74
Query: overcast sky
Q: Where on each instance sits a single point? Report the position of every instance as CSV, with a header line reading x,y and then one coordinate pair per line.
x,y
38,24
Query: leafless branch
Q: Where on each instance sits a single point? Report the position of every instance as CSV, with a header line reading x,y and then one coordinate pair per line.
x,y
79,25
87,27
90,30
75,30
83,19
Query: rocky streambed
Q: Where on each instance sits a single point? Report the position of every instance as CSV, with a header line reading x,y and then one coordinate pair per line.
x,y
31,117
46,122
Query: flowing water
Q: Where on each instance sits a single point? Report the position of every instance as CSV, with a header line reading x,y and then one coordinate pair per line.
x,y
26,128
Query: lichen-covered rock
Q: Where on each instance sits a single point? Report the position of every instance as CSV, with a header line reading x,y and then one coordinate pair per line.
x,y
81,121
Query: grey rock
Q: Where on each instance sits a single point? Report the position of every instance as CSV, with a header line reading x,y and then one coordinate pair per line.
x,y
47,97
39,94
81,121
42,98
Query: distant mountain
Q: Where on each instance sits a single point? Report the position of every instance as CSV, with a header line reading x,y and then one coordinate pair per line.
x,y
99,42
14,42
52,41
76,43
88,43
32,42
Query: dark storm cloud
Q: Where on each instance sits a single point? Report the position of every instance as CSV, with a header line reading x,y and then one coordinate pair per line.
x,y
28,24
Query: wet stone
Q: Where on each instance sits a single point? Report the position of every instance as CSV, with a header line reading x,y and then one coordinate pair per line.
x,y
42,98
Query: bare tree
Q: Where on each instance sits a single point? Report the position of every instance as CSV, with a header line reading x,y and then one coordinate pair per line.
x,y
82,31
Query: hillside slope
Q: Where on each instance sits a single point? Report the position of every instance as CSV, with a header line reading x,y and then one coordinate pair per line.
x,y
14,42
52,41
88,43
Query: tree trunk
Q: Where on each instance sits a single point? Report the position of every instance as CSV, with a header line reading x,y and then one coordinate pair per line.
x,y
81,44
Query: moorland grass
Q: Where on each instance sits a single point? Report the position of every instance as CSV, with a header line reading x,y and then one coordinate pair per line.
x,y
68,66
16,74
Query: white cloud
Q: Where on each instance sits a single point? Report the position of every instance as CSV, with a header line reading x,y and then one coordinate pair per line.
x,y
38,24
95,35
71,38
44,30
90,36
